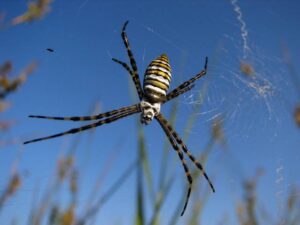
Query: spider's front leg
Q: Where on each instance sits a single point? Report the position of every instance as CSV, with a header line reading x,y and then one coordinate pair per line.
x,y
132,71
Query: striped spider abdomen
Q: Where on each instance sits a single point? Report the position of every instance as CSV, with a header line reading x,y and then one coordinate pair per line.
x,y
157,79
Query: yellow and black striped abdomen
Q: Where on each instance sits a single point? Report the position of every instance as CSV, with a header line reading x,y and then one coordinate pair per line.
x,y
157,79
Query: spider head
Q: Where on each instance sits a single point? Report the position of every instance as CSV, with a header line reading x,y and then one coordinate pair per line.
x,y
149,110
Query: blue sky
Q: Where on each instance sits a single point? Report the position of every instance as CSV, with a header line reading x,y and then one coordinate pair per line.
x,y
85,34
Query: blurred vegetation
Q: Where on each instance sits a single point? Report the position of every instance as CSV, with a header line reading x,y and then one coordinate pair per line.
x,y
50,210
247,68
8,86
36,10
250,211
294,77
297,115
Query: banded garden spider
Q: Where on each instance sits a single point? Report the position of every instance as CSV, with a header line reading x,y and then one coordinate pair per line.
x,y
153,94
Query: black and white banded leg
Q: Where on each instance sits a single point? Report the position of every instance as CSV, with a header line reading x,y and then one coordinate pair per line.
x,y
172,134
160,119
185,149
86,118
133,110
179,92
134,72
189,82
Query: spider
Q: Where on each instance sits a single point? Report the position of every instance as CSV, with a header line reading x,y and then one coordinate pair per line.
x,y
153,94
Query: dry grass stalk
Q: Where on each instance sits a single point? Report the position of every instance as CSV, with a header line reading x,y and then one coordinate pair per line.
x,y
12,187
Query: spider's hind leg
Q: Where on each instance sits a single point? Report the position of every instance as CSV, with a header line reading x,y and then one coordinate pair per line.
x,y
161,121
174,134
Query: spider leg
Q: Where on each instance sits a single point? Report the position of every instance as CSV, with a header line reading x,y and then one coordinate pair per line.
x,y
190,81
125,66
134,75
161,121
84,118
185,149
86,127
172,95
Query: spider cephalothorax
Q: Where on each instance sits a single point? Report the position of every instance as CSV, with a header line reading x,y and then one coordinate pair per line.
x,y
153,94
149,110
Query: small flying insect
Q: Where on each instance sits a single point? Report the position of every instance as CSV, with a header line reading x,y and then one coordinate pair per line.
x,y
50,50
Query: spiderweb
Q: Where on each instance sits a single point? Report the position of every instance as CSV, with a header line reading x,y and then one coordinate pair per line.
x,y
244,86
